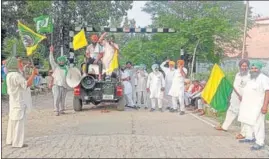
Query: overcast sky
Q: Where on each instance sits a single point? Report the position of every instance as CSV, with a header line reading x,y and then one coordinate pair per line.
x,y
143,19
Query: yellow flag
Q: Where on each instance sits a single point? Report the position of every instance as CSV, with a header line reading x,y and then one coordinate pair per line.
x,y
80,40
30,38
114,63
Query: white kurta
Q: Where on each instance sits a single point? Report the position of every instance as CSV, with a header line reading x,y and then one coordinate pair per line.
x,y
108,54
59,77
253,98
17,91
132,73
250,108
141,84
169,74
177,88
155,83
127,89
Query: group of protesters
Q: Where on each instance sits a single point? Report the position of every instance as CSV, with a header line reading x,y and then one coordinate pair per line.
x,y
162,88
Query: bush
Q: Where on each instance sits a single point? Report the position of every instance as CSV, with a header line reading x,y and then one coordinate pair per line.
x,y
267,116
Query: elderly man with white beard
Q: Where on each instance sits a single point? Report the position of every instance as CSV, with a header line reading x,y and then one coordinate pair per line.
x,y
254,106
19,101
141,81
241,78
169,73
155,86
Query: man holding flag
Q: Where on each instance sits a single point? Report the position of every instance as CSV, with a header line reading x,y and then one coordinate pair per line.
x,y
240,81
111,49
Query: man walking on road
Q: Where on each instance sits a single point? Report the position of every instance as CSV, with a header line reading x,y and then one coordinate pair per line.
x,y
177,89
254,106
240,81
169,74
132,73
59,88
18,102
155,86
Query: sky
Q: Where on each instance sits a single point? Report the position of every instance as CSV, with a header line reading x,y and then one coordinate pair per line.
x,y
143,19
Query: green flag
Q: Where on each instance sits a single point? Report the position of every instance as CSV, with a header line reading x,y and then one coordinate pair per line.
x,y
30,38
44,24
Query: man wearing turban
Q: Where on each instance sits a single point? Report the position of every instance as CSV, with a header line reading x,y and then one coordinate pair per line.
x,y
59,88
93,55
17,87
177,89
155,86
254,106
241,78
169,74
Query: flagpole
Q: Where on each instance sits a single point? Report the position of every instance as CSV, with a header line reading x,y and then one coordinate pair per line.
x,y
245,30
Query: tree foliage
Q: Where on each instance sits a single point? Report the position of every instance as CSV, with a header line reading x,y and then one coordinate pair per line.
x,y
215,24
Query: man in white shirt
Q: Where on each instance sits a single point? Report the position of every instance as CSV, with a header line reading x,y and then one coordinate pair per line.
x,y
141,84
17,87
254,106
156,86
169,74
132,73
59,88
177,89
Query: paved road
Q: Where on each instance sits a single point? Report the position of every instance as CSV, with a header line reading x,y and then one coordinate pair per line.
x,y
131,133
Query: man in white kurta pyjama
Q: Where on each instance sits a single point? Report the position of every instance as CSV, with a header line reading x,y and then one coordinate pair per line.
x,y
19,101
177,89
240,81
141,86
254,106
169,74
156,86
59,88
125,77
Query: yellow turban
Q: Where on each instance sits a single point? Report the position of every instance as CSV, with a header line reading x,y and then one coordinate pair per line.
x,y
171,63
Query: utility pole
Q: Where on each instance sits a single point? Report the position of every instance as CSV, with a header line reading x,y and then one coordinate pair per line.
x,y
245,30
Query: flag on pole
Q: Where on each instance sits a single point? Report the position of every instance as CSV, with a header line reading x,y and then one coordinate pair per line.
x,y
114,62
44,24
79,40
29,38
217,90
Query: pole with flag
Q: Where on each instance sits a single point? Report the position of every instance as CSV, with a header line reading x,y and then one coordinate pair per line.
x,y
44,24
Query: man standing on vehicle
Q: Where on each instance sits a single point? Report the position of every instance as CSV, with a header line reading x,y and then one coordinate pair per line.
x,y
169,73
94,53
110,47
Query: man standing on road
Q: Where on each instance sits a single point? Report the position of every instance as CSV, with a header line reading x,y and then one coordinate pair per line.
x,y
141,90
254,106
155,86
18,104
240,81
169,73
59,89
132,73
125,77
177,89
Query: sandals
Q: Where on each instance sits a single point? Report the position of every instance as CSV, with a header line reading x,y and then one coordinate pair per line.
x,y
219,128
239,136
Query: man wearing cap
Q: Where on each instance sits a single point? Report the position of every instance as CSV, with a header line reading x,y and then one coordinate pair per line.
x,y
110,48
17,87
59,88
155,86
177,89
240,81
254,106
93,55
169,74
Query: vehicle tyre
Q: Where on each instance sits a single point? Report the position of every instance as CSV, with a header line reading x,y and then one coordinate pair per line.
x,y
121,104
77,104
